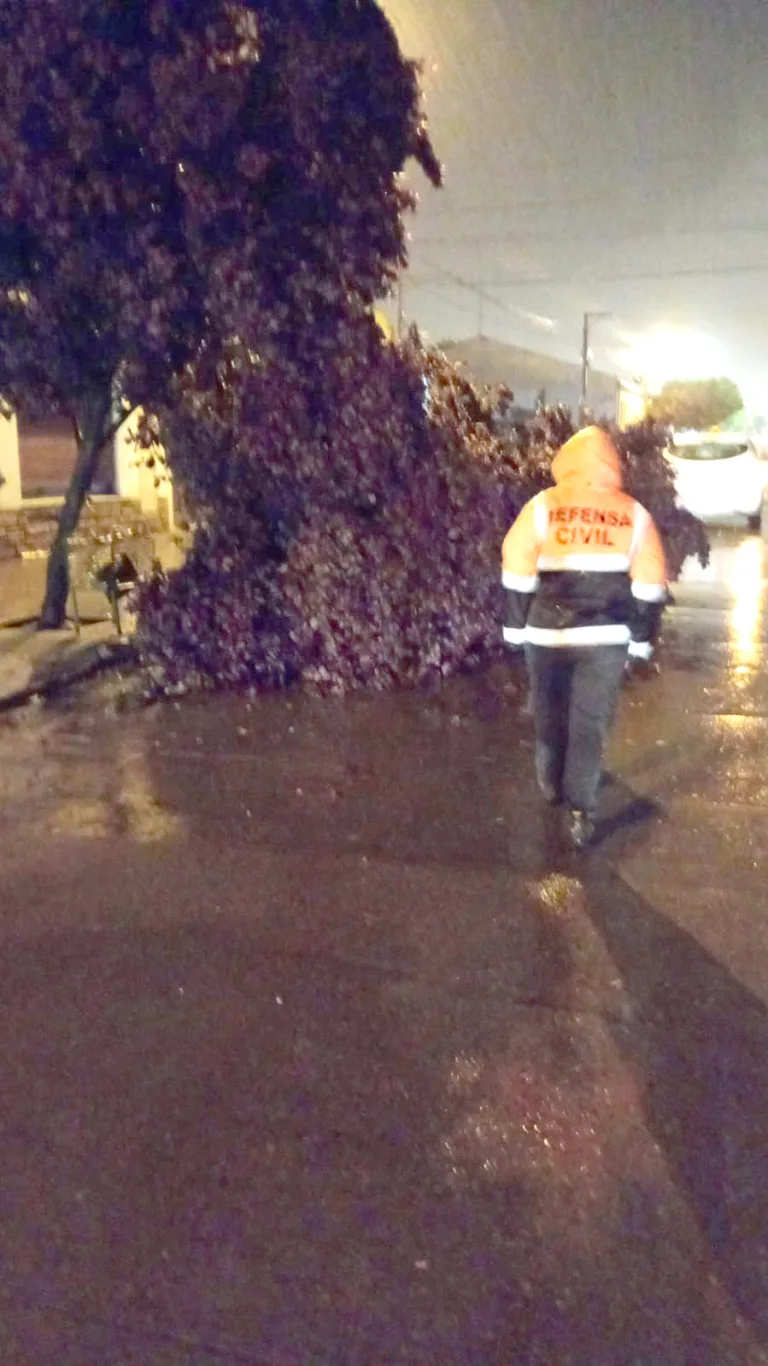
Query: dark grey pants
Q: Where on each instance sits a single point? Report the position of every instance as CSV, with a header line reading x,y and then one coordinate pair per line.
x,y
574,691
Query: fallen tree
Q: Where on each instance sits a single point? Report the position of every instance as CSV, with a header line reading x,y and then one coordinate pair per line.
x,y
349,520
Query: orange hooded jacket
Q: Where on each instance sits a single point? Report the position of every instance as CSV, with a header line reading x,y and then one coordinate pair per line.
x,y
583,563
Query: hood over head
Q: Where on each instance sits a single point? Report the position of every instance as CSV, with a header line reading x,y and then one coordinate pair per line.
x,y
591,458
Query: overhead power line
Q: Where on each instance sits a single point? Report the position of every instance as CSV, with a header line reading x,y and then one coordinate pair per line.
x,y
687,272
480,294
632,230
616,193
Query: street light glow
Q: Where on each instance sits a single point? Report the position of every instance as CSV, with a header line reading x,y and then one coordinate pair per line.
x,y
669,353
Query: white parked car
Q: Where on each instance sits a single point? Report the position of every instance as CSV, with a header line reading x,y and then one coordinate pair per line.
x,y
718,474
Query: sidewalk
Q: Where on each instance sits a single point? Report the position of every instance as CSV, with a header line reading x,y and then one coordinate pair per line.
x,y
33,661
36,662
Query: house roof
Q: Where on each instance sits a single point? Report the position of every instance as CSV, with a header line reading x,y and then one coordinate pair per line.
x,y
527,372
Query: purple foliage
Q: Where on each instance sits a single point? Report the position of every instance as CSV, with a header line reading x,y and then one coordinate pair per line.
x,y
344,538
176,174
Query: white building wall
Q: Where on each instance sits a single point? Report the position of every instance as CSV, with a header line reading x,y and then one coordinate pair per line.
x,y
134,479
10,463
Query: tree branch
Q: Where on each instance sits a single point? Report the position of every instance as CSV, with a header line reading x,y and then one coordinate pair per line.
x,y
112,431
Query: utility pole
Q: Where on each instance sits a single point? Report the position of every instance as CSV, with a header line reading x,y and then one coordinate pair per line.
x,y
585,353
584,360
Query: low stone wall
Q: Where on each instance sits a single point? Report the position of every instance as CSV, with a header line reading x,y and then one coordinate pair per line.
x,y
30,530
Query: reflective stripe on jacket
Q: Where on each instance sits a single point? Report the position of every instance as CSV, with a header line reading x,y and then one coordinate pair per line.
x,y
583,564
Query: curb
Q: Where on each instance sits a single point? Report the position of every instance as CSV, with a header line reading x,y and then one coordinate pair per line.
x,y
92,660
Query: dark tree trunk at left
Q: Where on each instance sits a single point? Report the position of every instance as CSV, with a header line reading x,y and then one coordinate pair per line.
x,y
94,428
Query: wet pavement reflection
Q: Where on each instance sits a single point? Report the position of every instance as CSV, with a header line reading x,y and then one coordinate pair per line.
x,y
319,1047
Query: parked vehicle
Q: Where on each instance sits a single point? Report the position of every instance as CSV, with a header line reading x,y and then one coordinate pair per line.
x,y
718,474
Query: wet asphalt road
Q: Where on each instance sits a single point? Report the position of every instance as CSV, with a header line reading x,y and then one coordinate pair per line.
x,y
318,1049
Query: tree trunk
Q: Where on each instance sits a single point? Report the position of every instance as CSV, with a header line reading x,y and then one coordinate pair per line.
x,y
93,429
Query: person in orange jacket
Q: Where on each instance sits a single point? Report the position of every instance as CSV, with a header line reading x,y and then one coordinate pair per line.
x,y
586,581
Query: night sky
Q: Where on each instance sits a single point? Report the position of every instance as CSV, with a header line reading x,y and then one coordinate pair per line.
x,y
600,155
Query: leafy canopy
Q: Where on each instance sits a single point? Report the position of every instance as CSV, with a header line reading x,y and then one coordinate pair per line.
x,y
695,403
174,173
